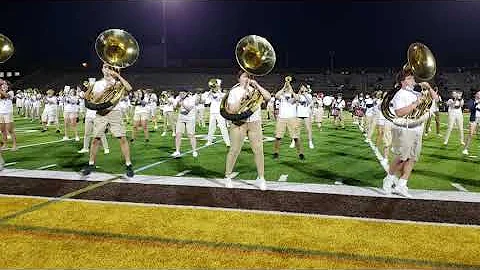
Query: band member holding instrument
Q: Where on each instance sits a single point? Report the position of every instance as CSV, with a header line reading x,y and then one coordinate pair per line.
x,y
153,104
70,113
186,102
436,114
337,111
304,113
251,127
327,102
112,81
50,109
370,117
215,97
406,141
7,125
455,116
287,119
474,107
318,109
141,114
384,130
169,116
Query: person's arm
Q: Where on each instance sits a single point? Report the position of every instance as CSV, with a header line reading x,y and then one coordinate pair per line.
x,y
126,84
266,95
407,109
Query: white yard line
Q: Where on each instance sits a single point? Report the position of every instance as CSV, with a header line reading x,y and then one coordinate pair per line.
x,y
46,167
283,178
459,187
36,144
9,164
183,173
221,209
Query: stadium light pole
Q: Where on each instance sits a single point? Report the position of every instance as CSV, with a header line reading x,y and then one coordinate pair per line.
x,y
164,32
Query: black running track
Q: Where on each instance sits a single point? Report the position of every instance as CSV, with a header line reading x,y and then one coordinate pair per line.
x,y
285,201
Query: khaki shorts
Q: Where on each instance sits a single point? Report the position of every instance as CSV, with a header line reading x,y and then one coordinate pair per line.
x,y
70,115
144,116
114,120
188,125
6,118
291,123
407,144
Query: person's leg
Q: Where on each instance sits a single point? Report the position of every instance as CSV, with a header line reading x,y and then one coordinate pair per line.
x,y
237,136
451,121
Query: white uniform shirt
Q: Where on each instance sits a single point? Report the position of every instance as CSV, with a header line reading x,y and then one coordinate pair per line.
x,y
187,108
215,100
288,106
235,96
304,105
404,98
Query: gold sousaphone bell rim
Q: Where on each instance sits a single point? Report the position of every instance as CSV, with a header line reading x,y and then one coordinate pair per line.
x,y
131,47
6,48
263,50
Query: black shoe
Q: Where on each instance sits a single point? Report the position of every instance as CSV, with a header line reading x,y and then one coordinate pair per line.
x,y
44,130
132,140
88,169
301,156
275,155
129,170
58,131
147,140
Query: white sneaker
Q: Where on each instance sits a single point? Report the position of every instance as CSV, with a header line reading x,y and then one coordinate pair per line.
x,y
384,162
465,152
261,183
195,154
106,151
402,190
208,143
83,150
163,133
445,143
310,145
292,145
387,184
228,182
462,143
65,138
367,140
173,134
176,154
77,139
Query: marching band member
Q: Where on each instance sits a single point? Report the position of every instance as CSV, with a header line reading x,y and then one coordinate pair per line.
x,y
89,125
169,116
287,119
200,109
19,102
49,114
474,107
270,109
455,116
357,111
70,112
304,113
252,127
215,97
327,102
7,125
384,129
406,141
36,97
81,103
112,81
436,114
141,114
186,102
153,104
318,109
337,111
371,117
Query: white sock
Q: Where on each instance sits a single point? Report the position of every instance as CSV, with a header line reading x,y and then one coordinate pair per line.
x,y
402,182
91,163
128,164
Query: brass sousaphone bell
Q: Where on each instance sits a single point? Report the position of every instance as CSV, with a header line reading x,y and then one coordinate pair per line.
x,y
256,56
422,65
6,48
118,49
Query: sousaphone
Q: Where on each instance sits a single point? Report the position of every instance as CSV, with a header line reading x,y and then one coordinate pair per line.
x,y
422,64
118,49
256,56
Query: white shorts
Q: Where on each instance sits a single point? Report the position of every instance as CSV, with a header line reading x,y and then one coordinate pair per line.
x,y
6,118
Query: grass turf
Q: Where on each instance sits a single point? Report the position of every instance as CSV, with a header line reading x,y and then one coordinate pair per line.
x,y
339,155
80,234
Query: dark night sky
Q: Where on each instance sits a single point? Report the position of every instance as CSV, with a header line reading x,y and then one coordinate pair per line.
x,y
361,33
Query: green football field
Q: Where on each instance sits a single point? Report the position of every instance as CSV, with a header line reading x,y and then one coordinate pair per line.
x,y
339,155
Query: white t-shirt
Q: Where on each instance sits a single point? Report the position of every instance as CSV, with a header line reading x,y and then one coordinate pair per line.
x,y
215,100
304,105
99,87
404,98
90,114
455,106
235,95
327,100
339,104
288,106
169,106
187,109
6,106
